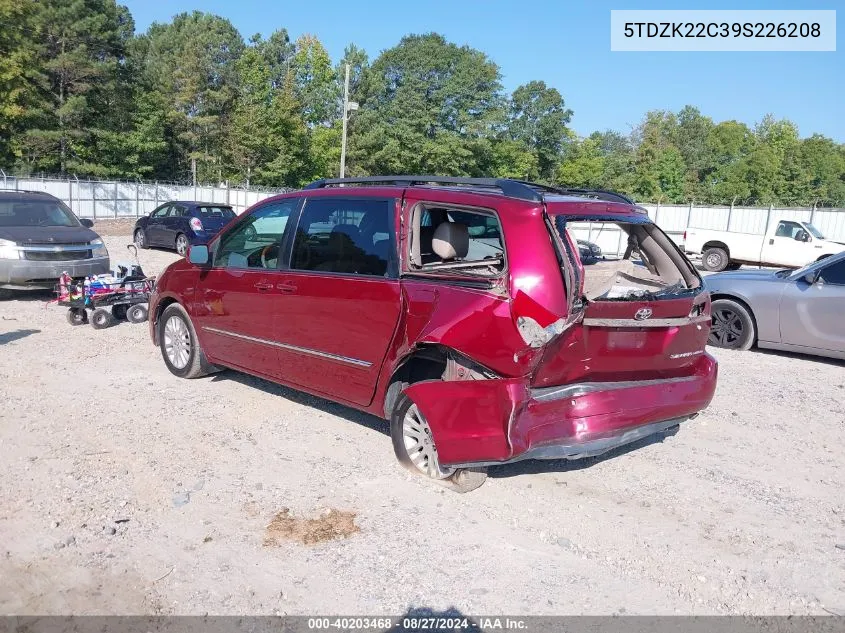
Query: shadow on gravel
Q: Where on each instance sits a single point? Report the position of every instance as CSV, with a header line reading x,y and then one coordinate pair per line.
x,y
9,337
813,359
535,466
29,295
358,417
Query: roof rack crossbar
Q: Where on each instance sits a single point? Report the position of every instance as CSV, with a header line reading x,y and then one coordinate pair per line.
x,y
511,188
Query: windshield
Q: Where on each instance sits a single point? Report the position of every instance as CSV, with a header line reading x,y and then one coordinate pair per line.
x,y
813,231
35,213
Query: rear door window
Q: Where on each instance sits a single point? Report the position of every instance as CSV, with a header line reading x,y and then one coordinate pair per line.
x,y
350,236
473,244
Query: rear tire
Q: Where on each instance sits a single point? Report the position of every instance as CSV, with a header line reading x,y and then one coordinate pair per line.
x,y
414,447
102,318
733,326
137,313
715,259
179,345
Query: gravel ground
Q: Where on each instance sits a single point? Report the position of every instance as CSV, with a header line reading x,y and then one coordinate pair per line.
x,y
126,490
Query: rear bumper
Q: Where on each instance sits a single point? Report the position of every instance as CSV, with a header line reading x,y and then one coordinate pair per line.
x,y
486,422
25,274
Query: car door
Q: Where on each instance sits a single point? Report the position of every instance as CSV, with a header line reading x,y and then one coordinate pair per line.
x,y
235,299
785,248
155,225
339,300
811,313
171,225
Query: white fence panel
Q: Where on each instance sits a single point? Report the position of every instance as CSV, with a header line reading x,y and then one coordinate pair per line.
x,y
109,199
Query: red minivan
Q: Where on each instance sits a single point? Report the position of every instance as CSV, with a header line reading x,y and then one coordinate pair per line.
x,y
456,308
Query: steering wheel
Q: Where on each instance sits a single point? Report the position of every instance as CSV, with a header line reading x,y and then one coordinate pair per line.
x,y
264,255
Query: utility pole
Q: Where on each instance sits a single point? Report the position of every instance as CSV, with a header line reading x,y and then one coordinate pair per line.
x,y
348,106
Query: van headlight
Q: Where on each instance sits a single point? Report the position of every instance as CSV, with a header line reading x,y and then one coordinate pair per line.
x,y
98,249
9,250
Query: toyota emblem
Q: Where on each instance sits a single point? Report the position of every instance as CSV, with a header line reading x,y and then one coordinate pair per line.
x,y
642,314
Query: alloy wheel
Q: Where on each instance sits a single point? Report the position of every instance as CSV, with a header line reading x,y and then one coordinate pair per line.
x,y
727,329
177,342
419,445
182,245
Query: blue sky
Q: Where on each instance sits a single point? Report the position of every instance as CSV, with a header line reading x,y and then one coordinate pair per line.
x,y
567,45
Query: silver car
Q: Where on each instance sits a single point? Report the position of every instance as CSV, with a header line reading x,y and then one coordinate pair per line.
x,y
796,311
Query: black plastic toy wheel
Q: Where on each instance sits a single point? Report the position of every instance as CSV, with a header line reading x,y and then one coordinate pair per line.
x,y
101,319
119,312
77,316
137,313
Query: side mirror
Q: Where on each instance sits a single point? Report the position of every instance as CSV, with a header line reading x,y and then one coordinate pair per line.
x,y
811,277
802,236
86,222
198,254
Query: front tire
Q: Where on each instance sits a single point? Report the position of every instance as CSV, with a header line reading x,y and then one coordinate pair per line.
x,y
181,245
733,326
413,444
179,345
715,259
140,238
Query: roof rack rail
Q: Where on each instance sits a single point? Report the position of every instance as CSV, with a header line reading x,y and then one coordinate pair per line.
x,y
11,190
511,188
599,194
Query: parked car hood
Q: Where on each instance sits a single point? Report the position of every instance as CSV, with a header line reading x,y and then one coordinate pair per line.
x,y
47,234
742,275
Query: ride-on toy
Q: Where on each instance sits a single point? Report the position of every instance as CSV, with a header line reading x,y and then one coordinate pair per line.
x,y
122,295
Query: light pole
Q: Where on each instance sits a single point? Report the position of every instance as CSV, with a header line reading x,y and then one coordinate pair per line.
x,y
348,106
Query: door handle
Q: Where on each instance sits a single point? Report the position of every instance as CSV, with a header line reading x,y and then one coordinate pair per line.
x,y
263,285
286,286
771,241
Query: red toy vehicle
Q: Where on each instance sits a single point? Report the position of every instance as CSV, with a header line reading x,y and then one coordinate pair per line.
x,y
456,308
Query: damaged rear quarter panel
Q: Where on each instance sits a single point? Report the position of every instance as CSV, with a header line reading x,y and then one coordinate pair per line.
x,y
470,419
474,322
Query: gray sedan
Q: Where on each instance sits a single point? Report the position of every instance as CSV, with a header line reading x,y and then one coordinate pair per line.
x,y
796,311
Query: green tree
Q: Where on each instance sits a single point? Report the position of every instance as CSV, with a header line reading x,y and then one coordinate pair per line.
x,y
82,53
316,81
22,81
427,105
583,165
538,118
190,62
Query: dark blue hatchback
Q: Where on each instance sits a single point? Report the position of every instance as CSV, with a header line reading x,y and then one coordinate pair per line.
x,y
178,224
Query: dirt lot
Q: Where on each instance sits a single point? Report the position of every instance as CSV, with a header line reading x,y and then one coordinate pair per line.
x,y
126,490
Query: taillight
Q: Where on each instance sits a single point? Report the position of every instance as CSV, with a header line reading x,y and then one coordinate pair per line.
x,y
196,224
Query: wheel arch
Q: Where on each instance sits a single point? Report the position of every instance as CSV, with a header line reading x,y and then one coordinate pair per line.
x,y
430,361
154,318
716,244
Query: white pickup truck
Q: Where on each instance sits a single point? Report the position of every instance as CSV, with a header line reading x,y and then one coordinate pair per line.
x,y
787,243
